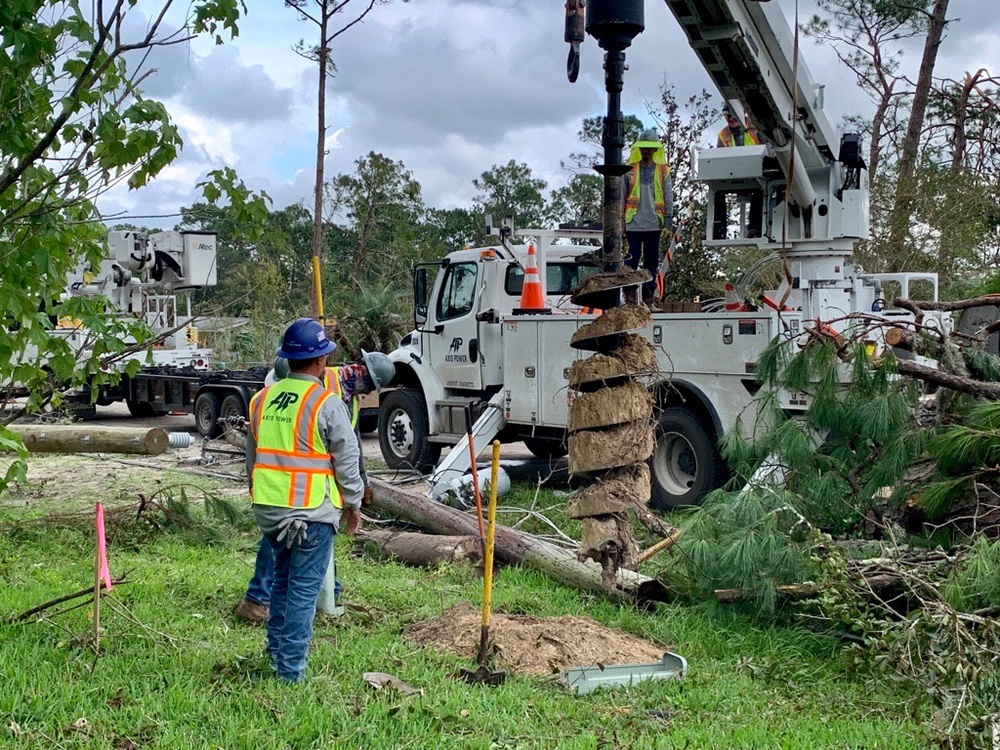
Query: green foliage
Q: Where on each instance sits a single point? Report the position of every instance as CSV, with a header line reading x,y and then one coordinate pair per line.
x,y
511,190
982,364
383,204
975,584
750,540
373,317
75,123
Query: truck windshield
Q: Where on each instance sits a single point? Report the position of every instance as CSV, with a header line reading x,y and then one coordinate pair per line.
x,y
560,278
458,291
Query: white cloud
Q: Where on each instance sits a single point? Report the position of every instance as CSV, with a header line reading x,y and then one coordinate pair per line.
x,y
448,87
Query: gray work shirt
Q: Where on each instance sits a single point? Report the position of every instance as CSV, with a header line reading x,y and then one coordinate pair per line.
x,y
645,219
334,422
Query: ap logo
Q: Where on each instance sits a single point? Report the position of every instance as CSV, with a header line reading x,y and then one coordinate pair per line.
x,y
283,400
456,344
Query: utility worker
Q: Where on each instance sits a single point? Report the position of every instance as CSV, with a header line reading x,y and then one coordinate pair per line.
x,y
302,459
736,133
649,205
348,382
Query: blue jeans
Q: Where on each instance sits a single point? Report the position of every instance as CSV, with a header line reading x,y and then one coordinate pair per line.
x,y
259,588
298,576
644,252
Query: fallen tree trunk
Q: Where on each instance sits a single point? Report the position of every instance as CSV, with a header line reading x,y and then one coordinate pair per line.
x,y
978,388
422,550
917,307
78,439
514,546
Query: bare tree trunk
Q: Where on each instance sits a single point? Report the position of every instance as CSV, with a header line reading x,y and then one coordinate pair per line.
x,y
317,236
903,207
514,546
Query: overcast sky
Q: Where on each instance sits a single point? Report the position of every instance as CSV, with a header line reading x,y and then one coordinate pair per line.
x,y
448,87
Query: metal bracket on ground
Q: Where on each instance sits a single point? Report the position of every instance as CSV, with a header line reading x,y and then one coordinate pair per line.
x,y
582,680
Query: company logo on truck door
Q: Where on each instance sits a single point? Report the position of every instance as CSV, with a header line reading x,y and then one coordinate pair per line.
x,y
456,344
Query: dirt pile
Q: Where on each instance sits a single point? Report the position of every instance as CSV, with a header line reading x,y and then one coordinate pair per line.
x,y
610,406
533,646
615,320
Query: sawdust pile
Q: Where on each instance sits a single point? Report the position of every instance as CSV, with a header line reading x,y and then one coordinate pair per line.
x,y
533,646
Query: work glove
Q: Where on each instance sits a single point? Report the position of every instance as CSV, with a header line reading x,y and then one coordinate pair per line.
x,y
292,531
366,498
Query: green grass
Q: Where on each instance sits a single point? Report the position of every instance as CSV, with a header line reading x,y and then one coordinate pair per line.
x,y
749,686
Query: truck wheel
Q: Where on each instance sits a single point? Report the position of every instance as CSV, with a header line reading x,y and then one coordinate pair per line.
x,y
142,409
403,431
546,447
685,464
206,414
232,406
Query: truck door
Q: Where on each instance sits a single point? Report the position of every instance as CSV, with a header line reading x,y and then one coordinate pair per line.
x,y
455,351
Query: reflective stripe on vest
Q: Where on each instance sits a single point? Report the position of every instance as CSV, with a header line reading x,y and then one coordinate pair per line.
x,y
728,140
632,202
331,380
292,467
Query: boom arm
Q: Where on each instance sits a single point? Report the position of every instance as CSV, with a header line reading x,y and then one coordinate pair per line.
x,y
747,47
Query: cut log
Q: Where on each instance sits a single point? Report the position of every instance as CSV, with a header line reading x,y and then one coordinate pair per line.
x,y
78,439
516,547
421,550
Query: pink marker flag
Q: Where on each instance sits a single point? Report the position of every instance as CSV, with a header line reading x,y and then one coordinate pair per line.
x,y
102,550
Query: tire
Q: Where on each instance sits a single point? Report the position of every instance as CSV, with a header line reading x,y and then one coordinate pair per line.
x,y
233,406
142,409
686,464
403,431
546,447
206,415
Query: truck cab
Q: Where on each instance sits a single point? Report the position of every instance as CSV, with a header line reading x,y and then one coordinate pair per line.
x,y
453,360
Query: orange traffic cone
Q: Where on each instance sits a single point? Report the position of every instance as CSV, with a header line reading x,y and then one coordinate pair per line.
x,y
532,296
732,303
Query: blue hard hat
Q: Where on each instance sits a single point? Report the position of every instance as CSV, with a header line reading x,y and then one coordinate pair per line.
x,y
305,339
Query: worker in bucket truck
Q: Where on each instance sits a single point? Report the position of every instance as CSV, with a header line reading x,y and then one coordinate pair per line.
x,y
374,372
649,206
737,133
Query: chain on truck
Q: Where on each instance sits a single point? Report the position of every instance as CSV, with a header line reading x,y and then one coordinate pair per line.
x,y
472,349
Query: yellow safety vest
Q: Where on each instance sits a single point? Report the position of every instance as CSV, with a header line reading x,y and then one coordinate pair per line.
x,y
331,381
728,141
292,467
632,202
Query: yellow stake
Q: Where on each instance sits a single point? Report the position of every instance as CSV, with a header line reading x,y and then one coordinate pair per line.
x,y
318,286
488,561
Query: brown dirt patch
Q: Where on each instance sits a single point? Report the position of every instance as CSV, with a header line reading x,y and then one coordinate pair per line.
x,y
615,492
608,449
610,406
533,646
615,320
635,355
599,282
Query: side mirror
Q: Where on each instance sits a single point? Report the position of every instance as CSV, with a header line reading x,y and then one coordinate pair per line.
x,y
420,296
